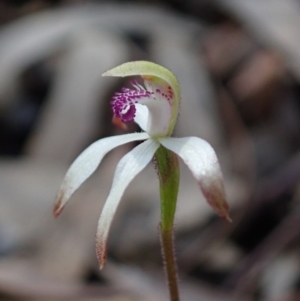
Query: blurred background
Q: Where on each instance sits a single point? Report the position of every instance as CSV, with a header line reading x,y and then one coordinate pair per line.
x,y
238,63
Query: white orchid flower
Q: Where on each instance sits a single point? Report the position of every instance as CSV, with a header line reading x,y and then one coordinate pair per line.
x,y
154,107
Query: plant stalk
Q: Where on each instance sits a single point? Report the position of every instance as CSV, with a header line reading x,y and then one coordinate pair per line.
x,y
167,244
168,172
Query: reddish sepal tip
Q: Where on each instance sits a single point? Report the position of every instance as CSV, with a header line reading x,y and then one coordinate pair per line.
x,y
101,254
58,206
56,211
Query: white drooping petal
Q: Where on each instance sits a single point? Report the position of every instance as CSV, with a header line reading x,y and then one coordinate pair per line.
x,y
86,163
128,167
201,159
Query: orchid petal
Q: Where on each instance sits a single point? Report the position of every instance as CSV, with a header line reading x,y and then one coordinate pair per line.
x,y
158,117
201,159
141,116
156,76
86,163
128,167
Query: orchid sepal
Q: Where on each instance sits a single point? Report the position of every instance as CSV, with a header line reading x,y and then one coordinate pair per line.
x,y
128,167
202,161
86,163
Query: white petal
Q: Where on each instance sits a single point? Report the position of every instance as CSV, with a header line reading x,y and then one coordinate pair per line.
x,y
86,163
129,166
153,116
160,113
141,116
201,159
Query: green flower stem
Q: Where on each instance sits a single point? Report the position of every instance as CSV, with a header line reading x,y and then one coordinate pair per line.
x,y
168,172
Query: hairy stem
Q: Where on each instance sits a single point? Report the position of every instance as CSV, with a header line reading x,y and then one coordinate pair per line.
x,y
167,244
168,172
